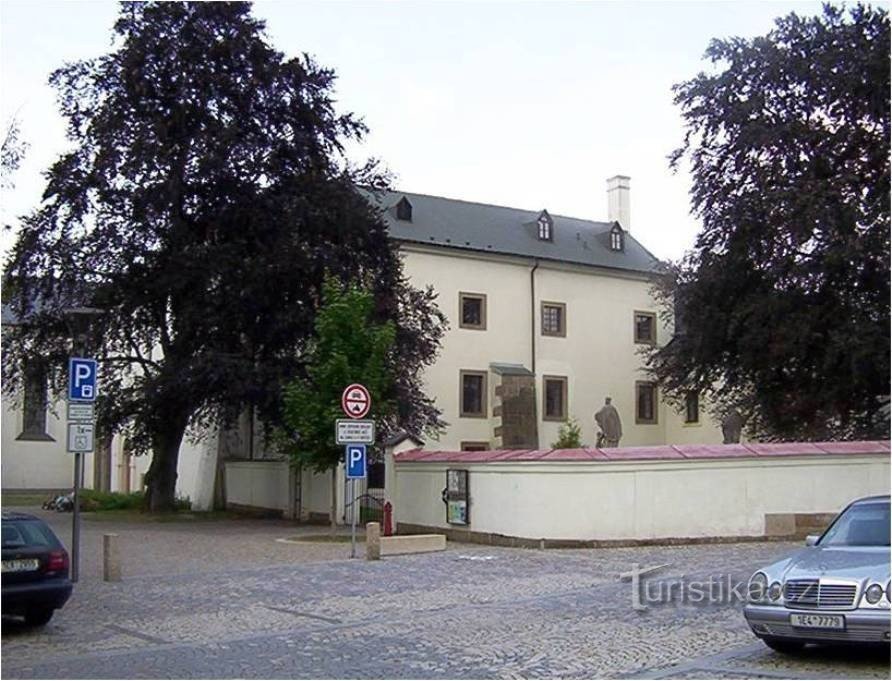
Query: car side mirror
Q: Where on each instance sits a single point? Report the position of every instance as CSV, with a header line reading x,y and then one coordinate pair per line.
x,y
812,539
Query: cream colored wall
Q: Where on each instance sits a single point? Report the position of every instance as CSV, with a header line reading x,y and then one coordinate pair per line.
x,y
32,464
640,500
506,338
262,484
598,355
38,464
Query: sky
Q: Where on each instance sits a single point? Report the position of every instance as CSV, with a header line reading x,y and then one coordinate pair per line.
x,y
525,104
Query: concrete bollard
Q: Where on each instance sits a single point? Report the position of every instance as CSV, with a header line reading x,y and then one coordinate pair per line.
x,y
373,541
111,558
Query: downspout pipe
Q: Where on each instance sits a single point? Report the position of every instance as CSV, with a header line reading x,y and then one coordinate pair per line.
x,y
533,316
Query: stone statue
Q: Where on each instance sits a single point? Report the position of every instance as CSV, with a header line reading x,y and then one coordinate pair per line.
x,y
609,422
732,424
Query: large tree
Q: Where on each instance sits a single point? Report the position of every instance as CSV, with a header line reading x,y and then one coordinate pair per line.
x,y
783,304
204,201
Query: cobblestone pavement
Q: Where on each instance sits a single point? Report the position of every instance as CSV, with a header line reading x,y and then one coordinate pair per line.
x,y
225,600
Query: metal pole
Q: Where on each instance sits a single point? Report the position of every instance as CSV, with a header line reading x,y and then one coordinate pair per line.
x,y
76,518
353,517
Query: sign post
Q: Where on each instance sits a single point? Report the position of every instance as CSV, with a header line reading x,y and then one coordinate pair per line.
x,y
81,395
356,434
357,467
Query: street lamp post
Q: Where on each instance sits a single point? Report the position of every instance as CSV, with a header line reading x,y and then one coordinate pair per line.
x,y
79,321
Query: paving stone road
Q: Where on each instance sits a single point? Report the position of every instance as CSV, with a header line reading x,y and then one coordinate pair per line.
x,y
226,600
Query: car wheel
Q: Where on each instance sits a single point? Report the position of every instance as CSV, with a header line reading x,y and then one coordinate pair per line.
x,y
784,645
37,618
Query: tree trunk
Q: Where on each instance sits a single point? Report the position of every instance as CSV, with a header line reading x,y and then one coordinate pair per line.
x,y
334,499
161,478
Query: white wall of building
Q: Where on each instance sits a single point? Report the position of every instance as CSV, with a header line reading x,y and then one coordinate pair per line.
x,y
598,500
598,355
37,464
46,465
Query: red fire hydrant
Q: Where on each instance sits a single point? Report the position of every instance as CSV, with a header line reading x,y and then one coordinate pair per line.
x,y
387,530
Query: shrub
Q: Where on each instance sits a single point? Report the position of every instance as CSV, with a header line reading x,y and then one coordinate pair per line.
x,y
569,435
94,500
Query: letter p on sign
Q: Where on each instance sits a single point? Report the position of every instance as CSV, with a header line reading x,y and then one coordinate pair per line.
x,y
356,462
81,379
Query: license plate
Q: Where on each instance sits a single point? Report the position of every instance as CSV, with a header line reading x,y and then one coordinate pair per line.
x,y
818,621
23,565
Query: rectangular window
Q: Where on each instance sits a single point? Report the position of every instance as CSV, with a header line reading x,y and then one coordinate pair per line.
x,y
554,319
692,407
34,404
554,395
473,394
645,402
472,311
645,327
475,446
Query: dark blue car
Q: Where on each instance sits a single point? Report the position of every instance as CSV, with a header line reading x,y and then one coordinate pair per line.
x,y
35,577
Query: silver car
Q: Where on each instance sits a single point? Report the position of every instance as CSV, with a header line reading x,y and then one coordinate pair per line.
x,y
836,590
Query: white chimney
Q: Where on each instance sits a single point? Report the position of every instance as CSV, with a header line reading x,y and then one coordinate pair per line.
x,y
618,206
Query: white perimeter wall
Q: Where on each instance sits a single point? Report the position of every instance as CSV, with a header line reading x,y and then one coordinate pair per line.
x,y
640,500
262,484
266,485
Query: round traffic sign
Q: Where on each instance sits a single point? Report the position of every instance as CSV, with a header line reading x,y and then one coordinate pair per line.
x,y
356,401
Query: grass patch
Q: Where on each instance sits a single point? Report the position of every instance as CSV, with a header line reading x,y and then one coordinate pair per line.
x,y
119,501
23,499
137,516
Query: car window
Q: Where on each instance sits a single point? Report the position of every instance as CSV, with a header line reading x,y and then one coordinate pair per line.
x,y
22,533
860,525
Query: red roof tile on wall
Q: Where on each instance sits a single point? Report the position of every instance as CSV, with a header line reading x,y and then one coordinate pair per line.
x,y
665,453
713,451
783,448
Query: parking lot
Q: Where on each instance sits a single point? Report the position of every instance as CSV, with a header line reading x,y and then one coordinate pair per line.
x,y
225,599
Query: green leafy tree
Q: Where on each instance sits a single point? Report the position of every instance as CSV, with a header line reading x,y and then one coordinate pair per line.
x,y
782,307
349,346
205,197
569,435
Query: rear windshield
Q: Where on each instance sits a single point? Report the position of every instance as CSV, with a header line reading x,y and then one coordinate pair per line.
x,y
864,524
27,533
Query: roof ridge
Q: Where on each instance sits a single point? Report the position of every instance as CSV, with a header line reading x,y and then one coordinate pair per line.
x,y
497,205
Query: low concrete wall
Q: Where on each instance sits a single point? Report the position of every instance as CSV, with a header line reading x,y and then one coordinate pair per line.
x,y
570,497
257,485
265,485
412,543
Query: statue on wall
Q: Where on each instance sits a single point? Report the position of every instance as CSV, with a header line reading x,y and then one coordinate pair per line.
x,y
732,425
609,422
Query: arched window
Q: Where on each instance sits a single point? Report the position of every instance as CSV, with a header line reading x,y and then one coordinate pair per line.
x,y
545,226
616,238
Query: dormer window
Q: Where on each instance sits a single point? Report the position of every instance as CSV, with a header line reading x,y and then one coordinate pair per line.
x,y
404,210
616,238
545,227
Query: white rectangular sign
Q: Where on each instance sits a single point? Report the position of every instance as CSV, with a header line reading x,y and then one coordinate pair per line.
x,y
80,411
80,437
355,432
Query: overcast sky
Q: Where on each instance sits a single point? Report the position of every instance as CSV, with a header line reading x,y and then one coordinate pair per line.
x,y
531,105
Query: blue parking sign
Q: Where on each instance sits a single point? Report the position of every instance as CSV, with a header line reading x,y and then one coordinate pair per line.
x,y
81,379
356,462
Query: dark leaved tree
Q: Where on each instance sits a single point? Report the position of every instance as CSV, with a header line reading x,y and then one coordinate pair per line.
x,y
783,304
204,202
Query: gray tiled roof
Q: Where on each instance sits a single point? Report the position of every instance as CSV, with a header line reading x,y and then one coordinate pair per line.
x,y
438,221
